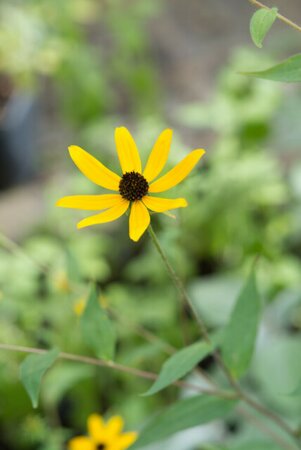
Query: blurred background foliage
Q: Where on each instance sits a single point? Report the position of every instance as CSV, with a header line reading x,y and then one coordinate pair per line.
x,y
90,65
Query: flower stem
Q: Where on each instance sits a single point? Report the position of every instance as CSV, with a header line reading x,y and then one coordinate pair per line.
x,y
178,284
232,381
261,426
279,16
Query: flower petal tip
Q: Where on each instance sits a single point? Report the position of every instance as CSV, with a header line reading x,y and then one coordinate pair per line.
x,y
61,203
80,225
168,131
134,238
73,148
121,128
200,151
136,235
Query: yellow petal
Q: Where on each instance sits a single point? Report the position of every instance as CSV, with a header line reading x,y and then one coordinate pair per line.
x,y
81,443
113,427
127,151
158,156
139,220
163,204
95,427
125,440
178,173
107,216
94,169
89,201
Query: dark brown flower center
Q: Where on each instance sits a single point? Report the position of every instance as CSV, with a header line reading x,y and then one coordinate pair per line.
x,y
101,447
133,186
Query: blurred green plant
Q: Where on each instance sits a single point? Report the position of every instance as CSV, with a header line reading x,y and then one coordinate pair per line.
x,y
58,41
244,204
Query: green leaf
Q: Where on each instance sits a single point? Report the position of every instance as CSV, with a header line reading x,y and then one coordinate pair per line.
x,y
97,329
179,364
261,22
240,333
296,392
32,371
183,414
288,71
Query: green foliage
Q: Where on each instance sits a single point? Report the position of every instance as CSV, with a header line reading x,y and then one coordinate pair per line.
x,y
51,39
179,364
261,22
297,391
97,329
288,71
32,370
240,334
244,200
184,414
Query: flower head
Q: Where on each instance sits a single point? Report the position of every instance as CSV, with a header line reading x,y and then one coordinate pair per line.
x,y
103,436
134,187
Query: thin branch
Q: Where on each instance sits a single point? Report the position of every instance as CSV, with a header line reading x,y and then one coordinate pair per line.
x,y
270,414
265,430
279,16
119,367
178,284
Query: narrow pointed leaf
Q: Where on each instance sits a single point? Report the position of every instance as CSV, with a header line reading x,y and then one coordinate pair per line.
x,y
240,334
183,414
97,329
261,22
288,71
179,364
32,371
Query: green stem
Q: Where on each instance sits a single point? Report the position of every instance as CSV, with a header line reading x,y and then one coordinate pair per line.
x,y
261,426
178,284
279,16
119,367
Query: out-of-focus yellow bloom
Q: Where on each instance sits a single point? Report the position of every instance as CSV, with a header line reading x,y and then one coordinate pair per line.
x,y
61,282
81,304
134,186
104,436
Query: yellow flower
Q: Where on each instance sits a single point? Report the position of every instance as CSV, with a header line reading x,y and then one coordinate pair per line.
x,y
103,436
61,282
81,304
135,185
